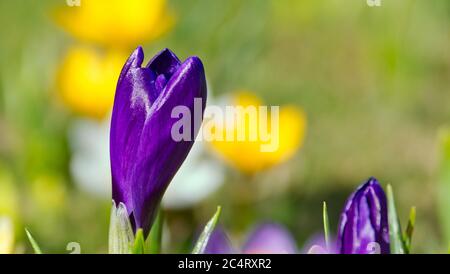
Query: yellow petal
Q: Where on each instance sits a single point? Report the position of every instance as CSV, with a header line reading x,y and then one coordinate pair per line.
x,y
117,23
246,98
291,134
6,236
86,80
247,155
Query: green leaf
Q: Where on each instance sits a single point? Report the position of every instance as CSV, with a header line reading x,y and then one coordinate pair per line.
x,y
395,231
139,243
407,237
121,236
444,182
203,240
34,244
326,225
154,239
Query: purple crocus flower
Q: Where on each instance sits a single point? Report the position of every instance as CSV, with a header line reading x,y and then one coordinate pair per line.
x,y
363,226
267,238
219,243
144,154
270,238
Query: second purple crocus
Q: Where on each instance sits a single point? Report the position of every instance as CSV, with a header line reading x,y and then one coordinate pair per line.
x,y
144,154
363,226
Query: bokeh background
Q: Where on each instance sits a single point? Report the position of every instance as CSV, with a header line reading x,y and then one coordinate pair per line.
x,y
366,92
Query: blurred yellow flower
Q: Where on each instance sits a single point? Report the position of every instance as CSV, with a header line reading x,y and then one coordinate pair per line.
x,y
246,154
86,80
6,236
116,23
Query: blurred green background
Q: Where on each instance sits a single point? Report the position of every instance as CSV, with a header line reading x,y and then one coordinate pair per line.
x,y
374,83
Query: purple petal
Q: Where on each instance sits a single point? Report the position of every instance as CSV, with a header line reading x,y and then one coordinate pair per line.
x,y
144,156
219,243
364,221
318,240
165,62
317,249
270,238
126,124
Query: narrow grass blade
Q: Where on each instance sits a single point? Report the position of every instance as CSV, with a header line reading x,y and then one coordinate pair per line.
x,y
326,225
444,182
202,241
409,230
34,244
395,231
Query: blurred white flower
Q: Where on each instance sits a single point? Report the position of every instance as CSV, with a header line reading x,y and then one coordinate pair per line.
x,y
89,166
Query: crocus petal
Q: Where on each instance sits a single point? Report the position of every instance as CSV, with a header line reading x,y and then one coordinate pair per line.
x,y
86,80
317,242
249,155
364,221
144,156
219,243
317,249
165,62
126,127
270,238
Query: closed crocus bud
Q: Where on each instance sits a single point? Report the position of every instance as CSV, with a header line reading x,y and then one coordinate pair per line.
x,y
144,153
363,226
270,238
